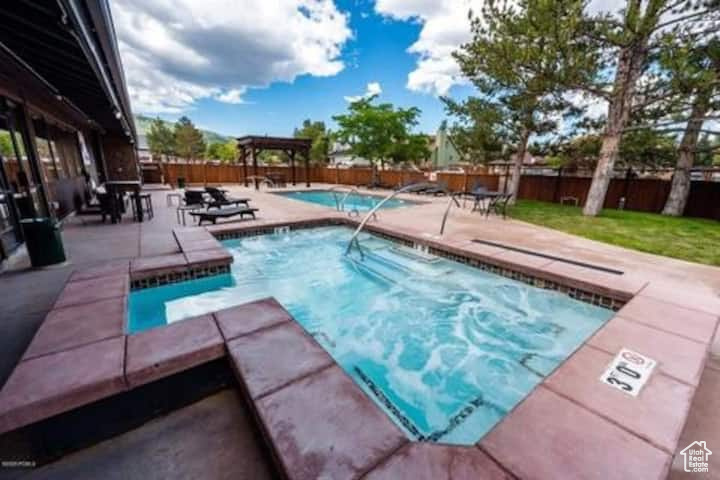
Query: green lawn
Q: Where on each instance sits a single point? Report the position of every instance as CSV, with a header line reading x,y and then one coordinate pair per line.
x,y
693,239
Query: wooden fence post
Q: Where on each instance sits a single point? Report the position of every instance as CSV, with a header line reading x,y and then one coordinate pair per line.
x,y
558,179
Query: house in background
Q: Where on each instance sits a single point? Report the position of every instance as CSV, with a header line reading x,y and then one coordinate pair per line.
x,y
341,156
443,151
143,148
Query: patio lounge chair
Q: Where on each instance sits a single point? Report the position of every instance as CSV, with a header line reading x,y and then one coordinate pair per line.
x,y
219,199
195,197
213,215
440,189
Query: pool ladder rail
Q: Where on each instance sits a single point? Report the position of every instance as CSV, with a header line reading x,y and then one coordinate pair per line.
x,y
407,188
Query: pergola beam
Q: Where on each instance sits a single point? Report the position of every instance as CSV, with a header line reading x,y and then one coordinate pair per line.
x,y
291,146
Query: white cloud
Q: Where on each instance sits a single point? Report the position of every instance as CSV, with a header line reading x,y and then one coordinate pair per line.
x,y
445,26
373,88
178,51
234,95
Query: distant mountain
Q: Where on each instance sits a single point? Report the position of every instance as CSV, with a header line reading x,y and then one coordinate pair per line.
x,y
142,123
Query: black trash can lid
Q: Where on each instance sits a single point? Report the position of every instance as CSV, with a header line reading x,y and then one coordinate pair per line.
x,y
30,221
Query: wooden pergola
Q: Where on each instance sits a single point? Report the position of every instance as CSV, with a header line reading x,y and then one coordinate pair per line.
x,y
253,145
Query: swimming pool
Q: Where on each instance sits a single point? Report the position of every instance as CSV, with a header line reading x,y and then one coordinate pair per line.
x,y
446,350
354,201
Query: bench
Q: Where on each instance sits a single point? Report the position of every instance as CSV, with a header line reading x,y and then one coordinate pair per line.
x,y
213,215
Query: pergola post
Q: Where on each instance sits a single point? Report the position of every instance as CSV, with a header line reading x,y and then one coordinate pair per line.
x,y
292,166
243,156
306,153
255,167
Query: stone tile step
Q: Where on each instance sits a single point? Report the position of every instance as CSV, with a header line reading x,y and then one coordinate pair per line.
x,y
148,267
160,352
92,290
76,325
324,426
104,269
696,297
215,257
657,414
249,317
269,359
52,384
678,357
548,436
686,322
426,461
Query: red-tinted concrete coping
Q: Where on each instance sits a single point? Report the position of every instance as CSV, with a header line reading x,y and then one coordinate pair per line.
x,y
160,352
92,290
694,297
76,325
194,239
147,267
211,258
425,461
686,322
657,414
250,317
548,436
319,422
293,355
105,269
324,426
46,386
677,357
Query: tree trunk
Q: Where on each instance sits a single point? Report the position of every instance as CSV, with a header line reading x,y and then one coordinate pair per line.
x,y
630,65
680,188
517,165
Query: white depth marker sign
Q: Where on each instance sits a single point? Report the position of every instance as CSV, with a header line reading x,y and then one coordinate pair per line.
x,y
628,372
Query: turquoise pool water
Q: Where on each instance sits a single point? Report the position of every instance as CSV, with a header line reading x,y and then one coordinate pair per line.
x,y
446,350
354,201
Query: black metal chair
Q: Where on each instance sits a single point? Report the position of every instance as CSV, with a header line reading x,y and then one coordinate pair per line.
x,y
103,208
498,205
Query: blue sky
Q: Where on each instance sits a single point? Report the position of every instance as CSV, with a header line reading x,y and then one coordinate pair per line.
x,y
245,79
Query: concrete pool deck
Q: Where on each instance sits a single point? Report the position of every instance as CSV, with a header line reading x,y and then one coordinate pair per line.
x,y
590,429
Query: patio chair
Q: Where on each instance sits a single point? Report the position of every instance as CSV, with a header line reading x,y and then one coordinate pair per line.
x,y
498,205
440,189
219,199
103,208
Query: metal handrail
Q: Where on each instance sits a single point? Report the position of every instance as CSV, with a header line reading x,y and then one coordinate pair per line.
x,y
447,211
352,190
407,188
338,205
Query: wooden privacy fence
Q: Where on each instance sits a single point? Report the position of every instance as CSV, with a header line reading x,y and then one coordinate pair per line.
x,y
645,195
640,194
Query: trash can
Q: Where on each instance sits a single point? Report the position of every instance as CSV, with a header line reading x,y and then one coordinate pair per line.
x,y
181,182
43,241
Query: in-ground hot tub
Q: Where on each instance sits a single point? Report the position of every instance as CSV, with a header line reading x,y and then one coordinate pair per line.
x,y
445,349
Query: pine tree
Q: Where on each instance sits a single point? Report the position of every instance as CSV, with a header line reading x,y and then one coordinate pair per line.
x,y
520,56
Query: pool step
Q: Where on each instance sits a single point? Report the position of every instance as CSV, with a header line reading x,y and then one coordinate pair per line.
x,y
415,254
376,267
411,263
